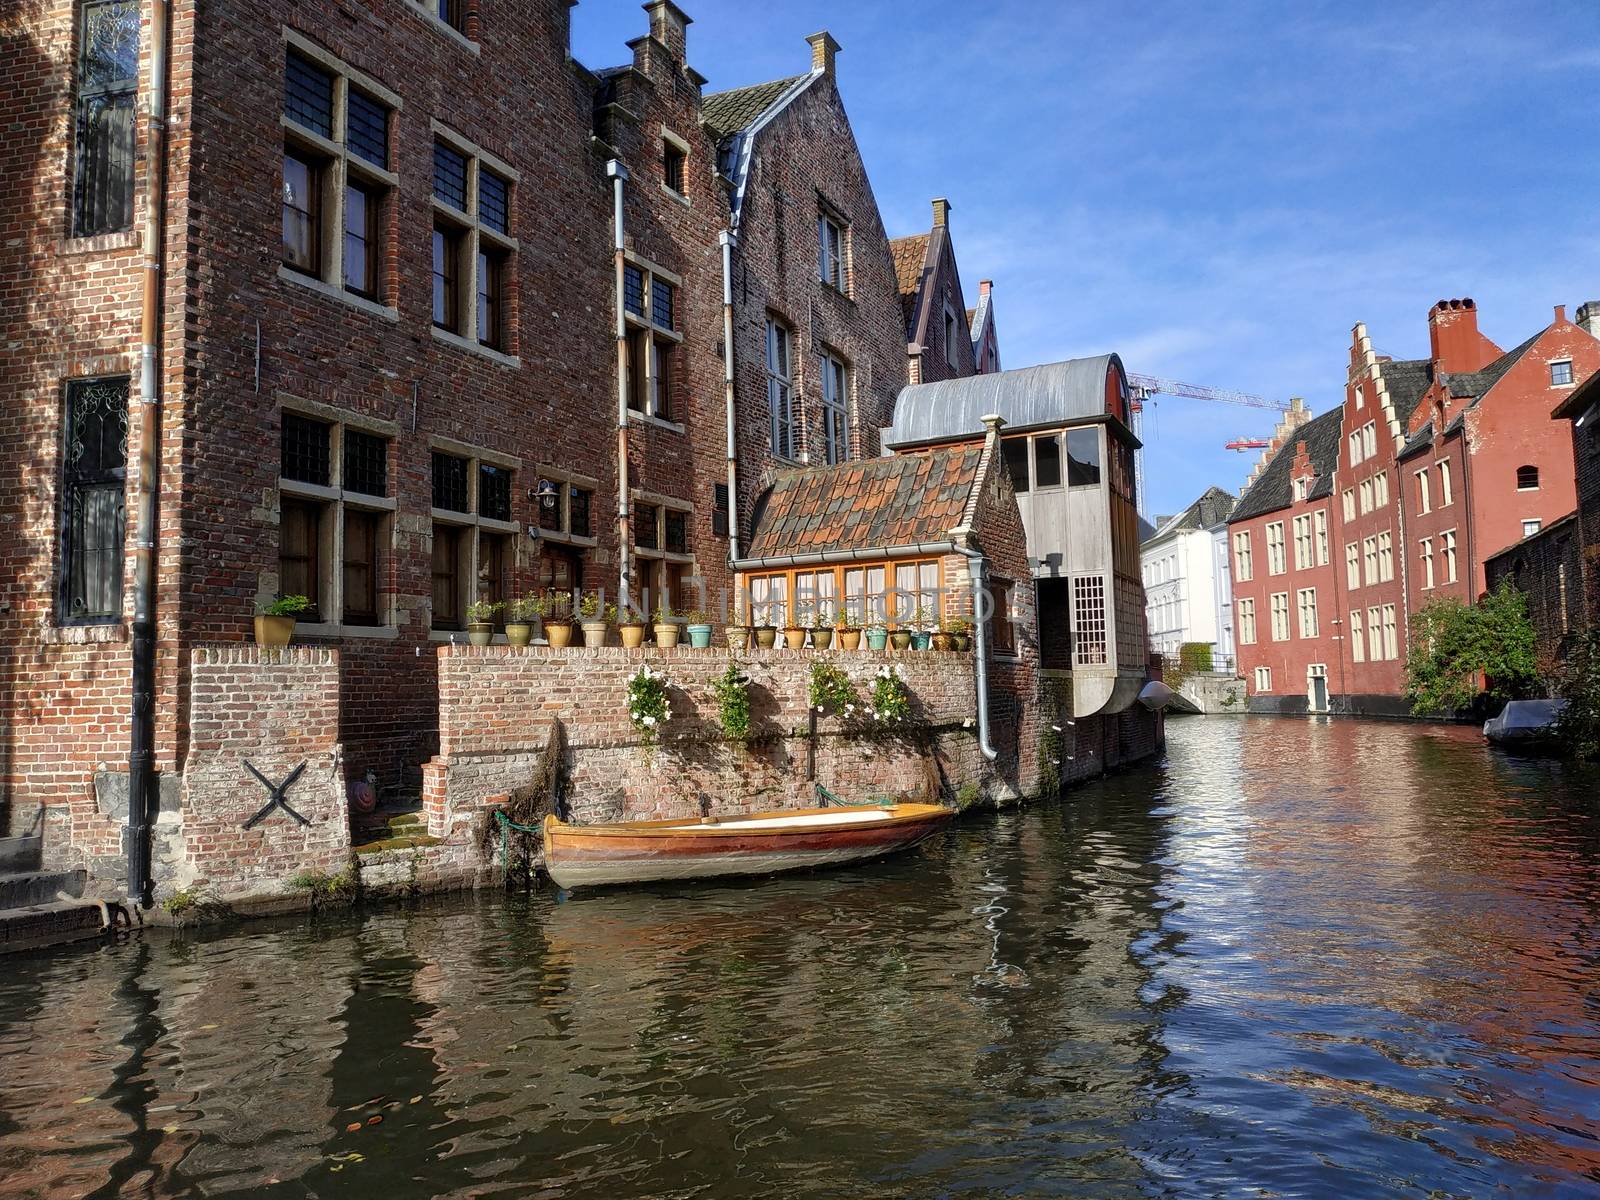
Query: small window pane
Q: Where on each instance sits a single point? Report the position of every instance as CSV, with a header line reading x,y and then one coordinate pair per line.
x,y
491,300
367,129
677,532
360,241
450,483
1047,461
633,290
1083,457
361,563
494,201
450,176
302,214
304,450
672,163
494,492
644,527
579,502
308,95
661,303
447,279
366,463
300,552
449,552
1016,453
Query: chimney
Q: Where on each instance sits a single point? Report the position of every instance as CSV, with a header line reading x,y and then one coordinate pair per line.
x,y
1454,340
1561,315
941,212
669,25
1589,317
985,286
823,48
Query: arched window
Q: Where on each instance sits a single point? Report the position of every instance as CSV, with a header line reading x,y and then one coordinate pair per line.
x,y
1527,478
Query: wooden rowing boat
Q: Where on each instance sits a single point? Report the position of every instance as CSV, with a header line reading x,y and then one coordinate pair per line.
x,y
762,843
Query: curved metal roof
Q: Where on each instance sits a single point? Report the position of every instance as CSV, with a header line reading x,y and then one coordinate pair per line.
x,y
1028,396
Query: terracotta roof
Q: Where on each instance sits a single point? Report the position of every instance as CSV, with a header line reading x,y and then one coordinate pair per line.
x,y
728,112
910,256
869,504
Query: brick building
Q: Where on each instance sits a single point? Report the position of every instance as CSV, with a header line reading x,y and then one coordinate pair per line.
x,y
1558,566
415,346
1398,497
941,339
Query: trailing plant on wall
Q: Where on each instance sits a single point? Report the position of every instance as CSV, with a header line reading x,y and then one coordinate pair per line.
x,y
891,699
1050,762
648,707
1461,651
1578,727
732,689
831,689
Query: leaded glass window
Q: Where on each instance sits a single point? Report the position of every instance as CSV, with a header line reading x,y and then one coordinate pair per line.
x,y
494,202
108,82
450,483
661,303
494,492
633,290
305,450
367,129
308,95
450,176
93,489
366,463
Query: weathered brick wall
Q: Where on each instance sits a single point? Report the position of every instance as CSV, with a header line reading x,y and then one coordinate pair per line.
x,y
496,706
1586,450
1547,568
276,710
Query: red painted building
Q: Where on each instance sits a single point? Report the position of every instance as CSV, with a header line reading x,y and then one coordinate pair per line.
x,y
1427,468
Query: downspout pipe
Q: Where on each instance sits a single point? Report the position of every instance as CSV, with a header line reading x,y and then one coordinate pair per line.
x,y
726,240
142,789
618,175
981,603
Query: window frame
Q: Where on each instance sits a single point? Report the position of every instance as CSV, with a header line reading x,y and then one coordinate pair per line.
x,y
653,347
1277,550
477,242
119,96
832,251
338,169
1554,371
1246,620
835,408
780,389
474,528
72,482
1278,607
1527,477
1244,565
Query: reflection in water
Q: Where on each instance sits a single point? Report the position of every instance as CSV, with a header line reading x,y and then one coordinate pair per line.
x,y
1296,959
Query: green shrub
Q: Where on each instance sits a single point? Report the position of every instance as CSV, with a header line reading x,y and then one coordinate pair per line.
x,y
1460,652
831,689
1194,658
732,689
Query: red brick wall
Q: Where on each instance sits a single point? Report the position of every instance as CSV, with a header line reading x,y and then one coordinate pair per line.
x,y
276,710
942,290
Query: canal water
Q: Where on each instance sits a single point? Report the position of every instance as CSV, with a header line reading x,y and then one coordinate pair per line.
x,y
1294,959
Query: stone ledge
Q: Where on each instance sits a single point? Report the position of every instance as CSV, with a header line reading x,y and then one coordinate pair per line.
x,y
244,654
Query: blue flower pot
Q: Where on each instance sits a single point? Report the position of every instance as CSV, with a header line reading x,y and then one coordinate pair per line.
x,y
699,636
877,639
920,639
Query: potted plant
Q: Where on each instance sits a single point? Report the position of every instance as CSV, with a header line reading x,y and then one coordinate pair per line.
x,y
877,635
821,633
698,628
794,636
766,636
849,636
520,617
556,610
480,621
667,628
943,639
275,621
738,636
900,635
630,624
595,620
921,620
960,633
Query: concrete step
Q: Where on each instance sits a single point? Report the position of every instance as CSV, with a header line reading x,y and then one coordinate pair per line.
x,y
31,926
21,854
20,889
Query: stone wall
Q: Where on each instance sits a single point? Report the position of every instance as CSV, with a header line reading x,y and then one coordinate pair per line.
x,y
274,710
496,707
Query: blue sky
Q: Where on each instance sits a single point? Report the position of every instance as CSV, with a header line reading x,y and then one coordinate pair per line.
x,y
1218,191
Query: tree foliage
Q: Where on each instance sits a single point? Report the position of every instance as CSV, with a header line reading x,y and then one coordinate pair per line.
x,y
1460,652
1579,724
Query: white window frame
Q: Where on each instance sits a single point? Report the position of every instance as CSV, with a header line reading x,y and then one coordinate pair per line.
x,y
1263,679
1352,565
1385,557
1375,634
1306,609
1446,494
1424,493
1426,553
1247,621
1349,499
1277,552
1279,602
1391,641
1302,542
1244,568
1447,540
1319,525
1358,645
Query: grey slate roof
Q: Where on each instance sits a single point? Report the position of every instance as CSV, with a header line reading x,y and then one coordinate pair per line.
x,y
726,113
1407,380
1420,441
1273,488
1477,383
1212,508
1027,397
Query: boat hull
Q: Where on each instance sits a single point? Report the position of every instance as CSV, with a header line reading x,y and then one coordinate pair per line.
x,y
761,844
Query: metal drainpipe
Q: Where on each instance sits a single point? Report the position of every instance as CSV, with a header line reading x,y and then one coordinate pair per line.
x,y
141,737
619,175
981,647
726,240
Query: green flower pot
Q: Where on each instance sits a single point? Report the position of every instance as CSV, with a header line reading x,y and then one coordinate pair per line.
x,y
877,639
699,636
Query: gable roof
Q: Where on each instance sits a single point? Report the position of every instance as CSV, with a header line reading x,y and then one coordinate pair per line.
x,y
1407,381
1027,397
867,504
1210,509
1477,383
910,263
726,113
1273,488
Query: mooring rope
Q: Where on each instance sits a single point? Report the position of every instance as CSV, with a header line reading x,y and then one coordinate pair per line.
x,y
507,825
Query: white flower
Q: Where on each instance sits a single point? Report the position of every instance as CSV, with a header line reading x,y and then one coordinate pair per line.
x,y
900,670
819,708
649,720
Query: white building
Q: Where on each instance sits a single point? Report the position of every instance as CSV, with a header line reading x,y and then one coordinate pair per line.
x,y
1188,595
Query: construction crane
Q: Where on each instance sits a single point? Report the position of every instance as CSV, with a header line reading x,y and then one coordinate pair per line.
x,y
1143,387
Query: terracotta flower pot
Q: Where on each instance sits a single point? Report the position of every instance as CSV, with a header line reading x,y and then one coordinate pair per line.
x,y
594,633
849,639
480,633
558,634
901,639
632,636
794,636
519,633
738,636
273,631
667,634
766,636
822,638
